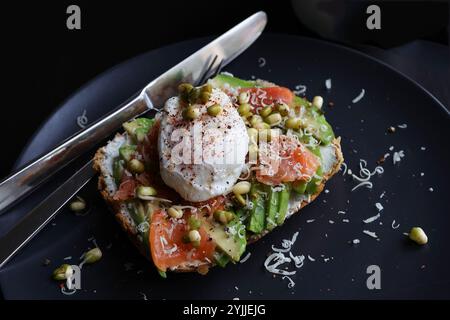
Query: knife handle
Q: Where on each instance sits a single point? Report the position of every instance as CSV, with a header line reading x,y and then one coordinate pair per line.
x,y
23,181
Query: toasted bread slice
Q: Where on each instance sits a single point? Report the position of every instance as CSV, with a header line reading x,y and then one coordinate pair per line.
x,y
103,163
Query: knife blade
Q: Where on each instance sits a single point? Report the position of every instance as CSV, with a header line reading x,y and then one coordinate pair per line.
x,y
36,219
224,49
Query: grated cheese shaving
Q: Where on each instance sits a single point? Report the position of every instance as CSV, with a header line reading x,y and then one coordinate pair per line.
x,y
370,234
286,244
328,84
164,243
298,260
395,226
226,73
365,175
245,258
277,258
67,292
144,296
194,209
359,97
368,184
82,120
372,219
397,156
278,188
207,206
300,89
379,206
261,62
249,204
291,283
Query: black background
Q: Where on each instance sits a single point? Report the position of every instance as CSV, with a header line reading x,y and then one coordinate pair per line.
x,y
44,62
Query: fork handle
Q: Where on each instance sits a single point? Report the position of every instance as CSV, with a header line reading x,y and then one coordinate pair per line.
x,y
23,181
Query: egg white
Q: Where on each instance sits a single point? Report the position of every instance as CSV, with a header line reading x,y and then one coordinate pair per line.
x,y
202,158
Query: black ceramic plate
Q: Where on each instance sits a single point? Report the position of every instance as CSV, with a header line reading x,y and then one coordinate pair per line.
x,y
339,269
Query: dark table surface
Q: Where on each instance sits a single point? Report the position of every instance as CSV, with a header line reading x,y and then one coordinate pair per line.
x,y
425,62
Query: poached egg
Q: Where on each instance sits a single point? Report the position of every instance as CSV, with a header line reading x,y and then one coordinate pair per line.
x,y
202,158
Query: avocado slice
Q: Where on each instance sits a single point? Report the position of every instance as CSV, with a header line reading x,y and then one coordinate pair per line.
x,y
162,274
312,186
221,80
257,213
221,259
138,128
283,204
118,166
140,134
230,239
314,120
127,151
273,200
299,186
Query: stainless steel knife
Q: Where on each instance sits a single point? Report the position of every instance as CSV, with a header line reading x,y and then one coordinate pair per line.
x,y
36,219
222,50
